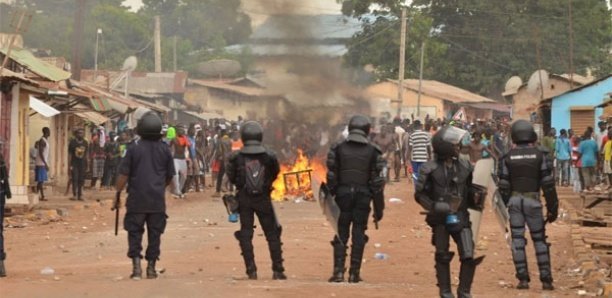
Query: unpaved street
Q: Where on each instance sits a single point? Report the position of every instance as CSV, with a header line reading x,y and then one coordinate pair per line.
x,y
201,258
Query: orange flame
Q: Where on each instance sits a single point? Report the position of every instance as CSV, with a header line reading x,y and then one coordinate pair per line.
x,y
298,183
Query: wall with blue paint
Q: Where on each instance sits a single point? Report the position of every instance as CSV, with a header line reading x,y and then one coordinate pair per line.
x,y
588,96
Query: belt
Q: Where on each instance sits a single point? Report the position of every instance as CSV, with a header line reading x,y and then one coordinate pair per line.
x,y
529,195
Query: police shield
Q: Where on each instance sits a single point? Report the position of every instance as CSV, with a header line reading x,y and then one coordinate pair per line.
x,y
329,207
482,178
503,218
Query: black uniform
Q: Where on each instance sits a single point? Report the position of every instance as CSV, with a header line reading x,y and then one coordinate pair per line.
x,y
149,165
253,170
523,171
5,193
444,188
354,176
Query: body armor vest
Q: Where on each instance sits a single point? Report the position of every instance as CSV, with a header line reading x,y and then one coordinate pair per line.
x,y
524,167
355,162
450,183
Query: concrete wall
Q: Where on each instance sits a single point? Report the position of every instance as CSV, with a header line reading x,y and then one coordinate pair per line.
x,y
19,144
524,103
231,106
589,96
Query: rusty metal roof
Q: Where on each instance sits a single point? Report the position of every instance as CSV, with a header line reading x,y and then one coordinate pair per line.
x,y
17,76
244,90
444,91
26,59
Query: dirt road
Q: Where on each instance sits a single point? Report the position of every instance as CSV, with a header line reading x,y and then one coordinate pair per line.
x,y
201,258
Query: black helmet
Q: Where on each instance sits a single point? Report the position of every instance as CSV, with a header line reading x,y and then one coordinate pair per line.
x,y
359,129
523,132
445,140
150,127
251,134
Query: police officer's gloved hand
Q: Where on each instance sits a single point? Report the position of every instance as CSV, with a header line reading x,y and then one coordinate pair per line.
x,y
378,215
551,215
441,207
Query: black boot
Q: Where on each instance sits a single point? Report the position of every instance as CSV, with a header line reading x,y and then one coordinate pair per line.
x,y
466,277
354,276
547,283
251,269
523,285
443,274
279,275
136,270
2,269
339,259
151,273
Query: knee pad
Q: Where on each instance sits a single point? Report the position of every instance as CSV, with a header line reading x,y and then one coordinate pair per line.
x,y
467,244
519,242
445,257
243,235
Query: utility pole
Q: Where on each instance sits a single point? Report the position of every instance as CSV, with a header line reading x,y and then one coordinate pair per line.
x,y
402,58
571,45
98,32
19,22
420,80
174,53
77,40
157,37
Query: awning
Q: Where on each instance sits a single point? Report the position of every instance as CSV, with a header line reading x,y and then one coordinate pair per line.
x,y
93,117
42,108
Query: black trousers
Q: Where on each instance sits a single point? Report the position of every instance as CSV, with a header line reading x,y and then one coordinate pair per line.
x,y
355,208
2,203
110,167
262,207
134,224
220,175
441,241
78,177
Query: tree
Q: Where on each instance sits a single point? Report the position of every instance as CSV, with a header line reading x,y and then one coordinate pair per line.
x,y
378,45
208,26
488,41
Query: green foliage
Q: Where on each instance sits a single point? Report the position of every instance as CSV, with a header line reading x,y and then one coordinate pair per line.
x,y
378,45
481,43
202,29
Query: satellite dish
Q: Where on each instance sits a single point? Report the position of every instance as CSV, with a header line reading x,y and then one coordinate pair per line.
x,y
513,84
130,63
537,81
219,67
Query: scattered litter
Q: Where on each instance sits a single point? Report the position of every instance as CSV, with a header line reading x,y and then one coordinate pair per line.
x,y
395,201
381,256
377,245
47,271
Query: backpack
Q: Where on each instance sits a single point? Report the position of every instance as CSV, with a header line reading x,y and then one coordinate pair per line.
x,y
255,176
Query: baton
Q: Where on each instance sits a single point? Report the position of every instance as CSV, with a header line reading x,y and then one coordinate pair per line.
x,y
116,209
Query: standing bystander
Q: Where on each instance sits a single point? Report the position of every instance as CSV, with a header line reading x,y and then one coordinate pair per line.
x,y
42,162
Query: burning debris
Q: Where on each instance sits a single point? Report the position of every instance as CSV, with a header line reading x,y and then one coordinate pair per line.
x,y
296,180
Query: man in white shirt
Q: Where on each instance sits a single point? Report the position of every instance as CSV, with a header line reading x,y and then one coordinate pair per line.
x,y
42,164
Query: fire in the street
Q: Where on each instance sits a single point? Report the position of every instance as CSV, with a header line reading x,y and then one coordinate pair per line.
x,y
296,180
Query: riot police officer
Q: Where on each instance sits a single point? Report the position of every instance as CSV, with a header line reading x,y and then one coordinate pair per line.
x,y
147,169
522,172
444,188
355,177
253,169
